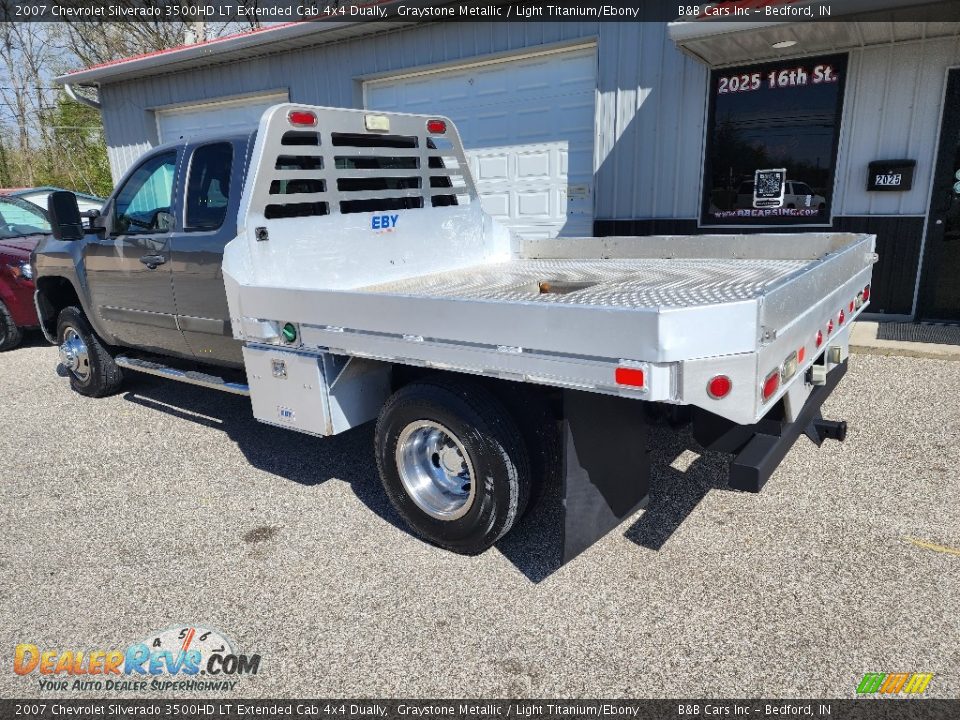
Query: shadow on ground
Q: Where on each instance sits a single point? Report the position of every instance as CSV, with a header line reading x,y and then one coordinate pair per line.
x,y
32,338
681,473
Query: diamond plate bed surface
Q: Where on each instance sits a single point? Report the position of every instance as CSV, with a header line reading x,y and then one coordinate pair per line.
x,y
615,283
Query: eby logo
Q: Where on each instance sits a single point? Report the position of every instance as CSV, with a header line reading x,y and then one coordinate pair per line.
x,y
176,651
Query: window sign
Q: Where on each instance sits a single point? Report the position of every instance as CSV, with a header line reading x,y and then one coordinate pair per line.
x,y
768,188
772,140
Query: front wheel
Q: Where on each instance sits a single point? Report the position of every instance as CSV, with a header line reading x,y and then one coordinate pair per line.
x,y
90,366
10,334
452,463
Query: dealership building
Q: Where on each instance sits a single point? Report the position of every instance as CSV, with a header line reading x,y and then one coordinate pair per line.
x,y
626,128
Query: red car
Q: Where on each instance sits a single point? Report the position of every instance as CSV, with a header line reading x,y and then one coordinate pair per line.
x,y
22,224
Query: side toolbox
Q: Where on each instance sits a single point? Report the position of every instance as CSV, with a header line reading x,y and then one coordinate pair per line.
x,y
321,395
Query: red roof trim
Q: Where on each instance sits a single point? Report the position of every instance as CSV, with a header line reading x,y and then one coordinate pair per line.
x,y
168,51
207,43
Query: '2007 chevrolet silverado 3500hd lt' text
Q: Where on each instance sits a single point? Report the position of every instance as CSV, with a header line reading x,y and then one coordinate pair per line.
x,y
341,258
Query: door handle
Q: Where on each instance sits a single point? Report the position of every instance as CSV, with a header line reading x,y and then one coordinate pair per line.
x,y
153,261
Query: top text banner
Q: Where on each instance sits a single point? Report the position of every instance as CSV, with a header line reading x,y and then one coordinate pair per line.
x,y
267,12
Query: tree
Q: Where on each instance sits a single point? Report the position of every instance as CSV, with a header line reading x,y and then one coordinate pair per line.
x,y
47,138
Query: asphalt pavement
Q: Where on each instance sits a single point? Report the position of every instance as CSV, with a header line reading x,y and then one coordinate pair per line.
x,y
169,506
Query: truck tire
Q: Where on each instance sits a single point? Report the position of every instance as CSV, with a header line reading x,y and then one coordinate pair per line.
x,y
541,433
10,334
434,439
91,367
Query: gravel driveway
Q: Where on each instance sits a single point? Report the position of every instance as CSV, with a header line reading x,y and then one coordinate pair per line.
x,y
169,505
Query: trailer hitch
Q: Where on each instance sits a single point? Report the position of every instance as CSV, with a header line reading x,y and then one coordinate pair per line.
x,y
606,469
820,430
758,449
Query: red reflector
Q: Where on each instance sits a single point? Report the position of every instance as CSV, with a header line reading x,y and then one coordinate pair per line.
x,y
436,127
630,376
302,117
719,387
829,327
852,304
841,317
819,338
771,385
801,354
866,293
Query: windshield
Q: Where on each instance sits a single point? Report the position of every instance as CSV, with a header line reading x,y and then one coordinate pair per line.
x,y
18,218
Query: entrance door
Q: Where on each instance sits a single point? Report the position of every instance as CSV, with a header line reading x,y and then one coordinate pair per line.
x,y
940,296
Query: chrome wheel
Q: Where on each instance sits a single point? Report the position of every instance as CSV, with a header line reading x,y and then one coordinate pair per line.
x,y
73,354
435,470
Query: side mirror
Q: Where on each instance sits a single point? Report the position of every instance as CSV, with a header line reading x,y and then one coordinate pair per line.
x,y
65,221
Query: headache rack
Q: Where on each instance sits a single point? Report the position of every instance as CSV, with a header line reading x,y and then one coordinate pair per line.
x,y
362,166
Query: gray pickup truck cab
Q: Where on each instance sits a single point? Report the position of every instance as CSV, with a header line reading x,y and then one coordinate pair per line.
x,y
148,276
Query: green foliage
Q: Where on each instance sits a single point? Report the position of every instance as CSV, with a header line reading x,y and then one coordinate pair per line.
x,y
75,150
68,151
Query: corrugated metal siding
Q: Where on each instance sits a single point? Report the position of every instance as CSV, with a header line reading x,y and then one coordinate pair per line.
x,y
649,111
892,110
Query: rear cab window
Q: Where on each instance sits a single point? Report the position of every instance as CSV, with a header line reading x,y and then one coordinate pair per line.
x,y
208,187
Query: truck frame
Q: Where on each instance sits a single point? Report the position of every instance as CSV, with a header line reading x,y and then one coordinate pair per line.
x,y
367,283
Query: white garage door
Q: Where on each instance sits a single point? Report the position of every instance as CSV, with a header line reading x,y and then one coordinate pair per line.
x,y
205,118
527,125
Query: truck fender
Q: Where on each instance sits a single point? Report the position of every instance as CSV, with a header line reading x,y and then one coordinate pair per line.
x,y
54,293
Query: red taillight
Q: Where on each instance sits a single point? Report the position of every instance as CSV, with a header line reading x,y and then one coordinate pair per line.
x,y
841,317
719,387
852,305
801,354
829,327
819,338
302,118
771,385
630,376
436,127
866,293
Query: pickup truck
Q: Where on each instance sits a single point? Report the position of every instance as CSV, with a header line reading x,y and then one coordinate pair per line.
x,y
342,262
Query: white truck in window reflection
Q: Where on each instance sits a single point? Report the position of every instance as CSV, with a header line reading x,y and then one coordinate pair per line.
x,y
362,281
797,195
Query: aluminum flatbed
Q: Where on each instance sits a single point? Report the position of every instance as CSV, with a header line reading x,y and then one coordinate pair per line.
x,y
366,282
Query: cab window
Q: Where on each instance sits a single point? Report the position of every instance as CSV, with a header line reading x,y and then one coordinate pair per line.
x,y
208,186
143,203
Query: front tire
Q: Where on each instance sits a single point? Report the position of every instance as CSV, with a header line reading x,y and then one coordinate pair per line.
x,y
452,463
90,366
10,334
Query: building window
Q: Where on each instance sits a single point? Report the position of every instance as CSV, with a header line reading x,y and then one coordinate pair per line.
x,y
781,116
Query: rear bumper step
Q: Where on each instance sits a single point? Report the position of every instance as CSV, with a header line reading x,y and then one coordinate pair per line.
x,y
759,449
191,377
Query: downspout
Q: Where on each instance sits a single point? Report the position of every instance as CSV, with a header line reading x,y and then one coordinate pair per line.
x,y
77,97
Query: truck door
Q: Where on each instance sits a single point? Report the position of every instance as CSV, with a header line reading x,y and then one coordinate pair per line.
x,y
128,269
213,185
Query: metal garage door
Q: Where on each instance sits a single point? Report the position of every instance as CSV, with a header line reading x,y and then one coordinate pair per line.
x,y
527,125
224,116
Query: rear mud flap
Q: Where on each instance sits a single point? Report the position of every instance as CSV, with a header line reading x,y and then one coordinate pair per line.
x,y
606,474
760,448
